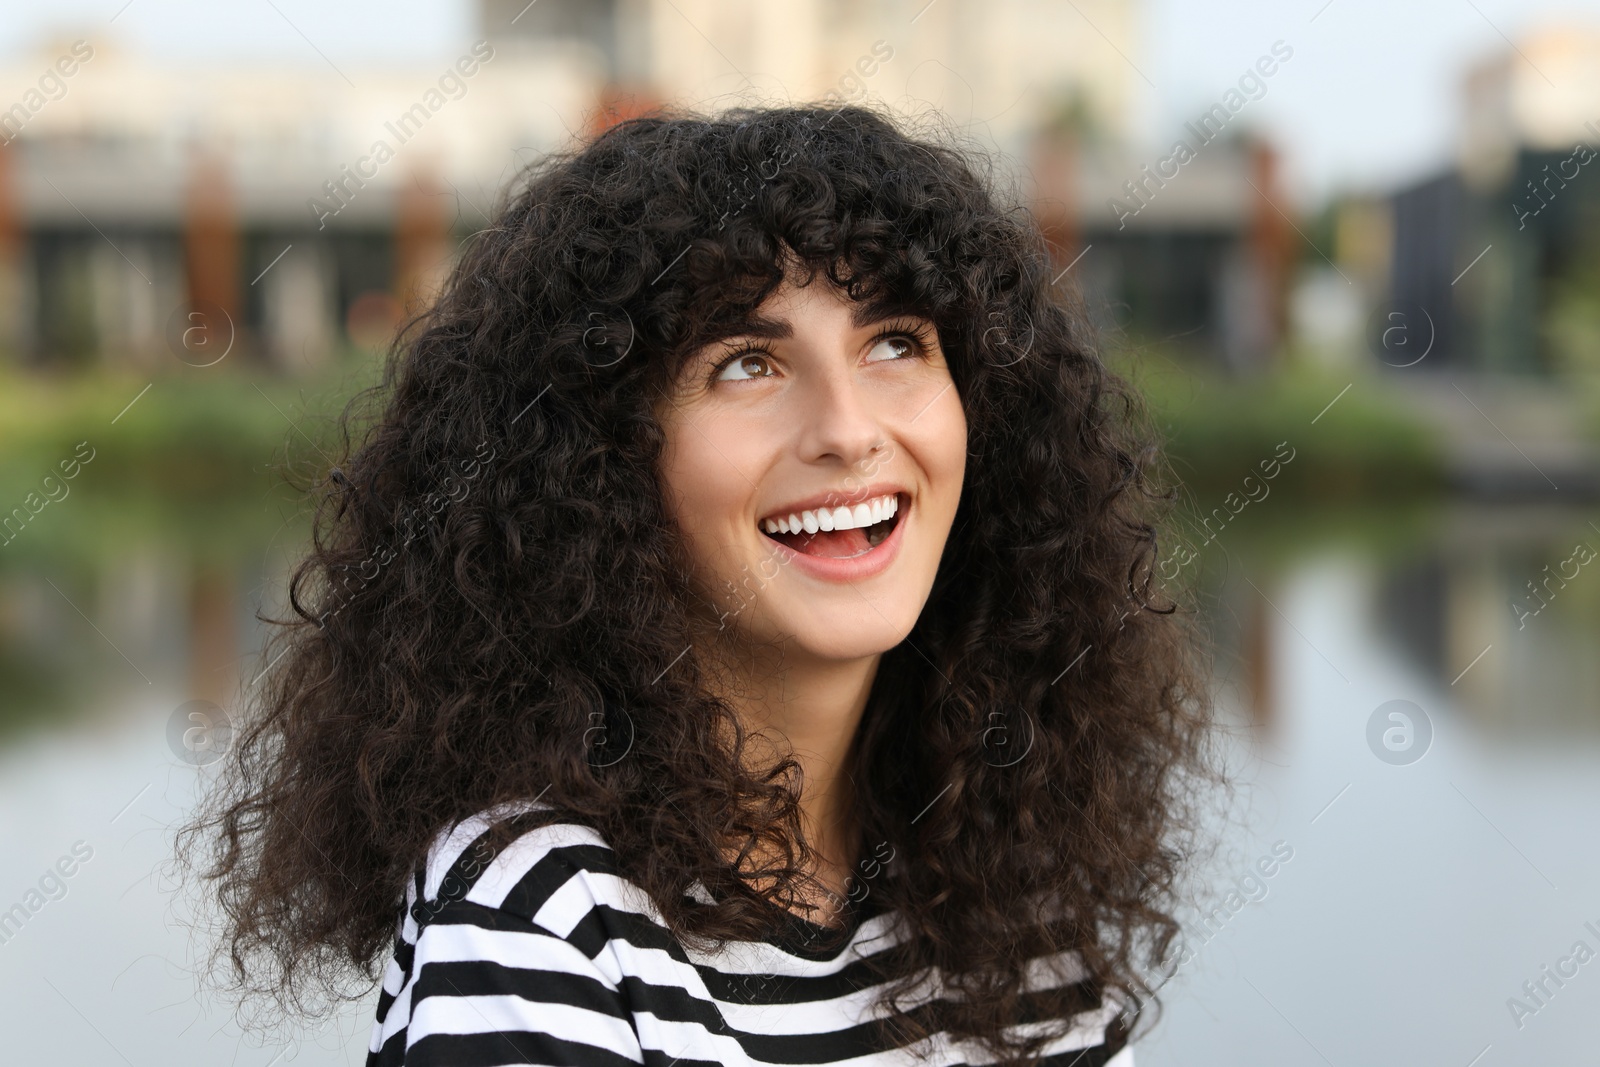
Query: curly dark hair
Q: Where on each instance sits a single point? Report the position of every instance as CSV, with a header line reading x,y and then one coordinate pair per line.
x,y
494,592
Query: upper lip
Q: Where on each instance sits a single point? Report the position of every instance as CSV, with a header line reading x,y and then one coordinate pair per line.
x,y
837,498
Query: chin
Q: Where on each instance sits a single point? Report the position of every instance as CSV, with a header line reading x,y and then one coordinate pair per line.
x,y
845,639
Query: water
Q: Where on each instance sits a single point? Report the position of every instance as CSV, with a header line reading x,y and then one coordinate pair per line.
x,y
1416,900
1419,897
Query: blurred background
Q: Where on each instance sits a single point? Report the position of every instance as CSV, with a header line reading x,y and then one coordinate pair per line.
x,y
1349,250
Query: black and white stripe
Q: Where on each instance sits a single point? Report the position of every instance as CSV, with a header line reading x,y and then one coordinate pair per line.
x,y
544,954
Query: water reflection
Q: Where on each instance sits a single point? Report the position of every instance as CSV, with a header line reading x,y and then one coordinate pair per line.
x,y
1466,609
1453,877
79,634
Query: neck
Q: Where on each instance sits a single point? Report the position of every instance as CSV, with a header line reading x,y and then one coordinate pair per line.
x,y
812,707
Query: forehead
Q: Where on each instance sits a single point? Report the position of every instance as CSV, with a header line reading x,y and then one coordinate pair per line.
x,y
793,302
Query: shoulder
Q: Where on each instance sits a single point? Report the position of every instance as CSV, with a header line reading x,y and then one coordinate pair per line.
x,y
553,871
494,948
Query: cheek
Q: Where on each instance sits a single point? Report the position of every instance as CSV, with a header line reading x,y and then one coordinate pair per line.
x,y
704,490
939,439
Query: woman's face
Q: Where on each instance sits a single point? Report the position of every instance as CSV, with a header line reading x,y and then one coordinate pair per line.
x,y
814,465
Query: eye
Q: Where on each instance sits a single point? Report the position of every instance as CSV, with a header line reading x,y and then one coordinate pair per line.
x,y
895,347
743,367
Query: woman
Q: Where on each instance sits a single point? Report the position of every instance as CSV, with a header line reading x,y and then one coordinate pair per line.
x,y
733,640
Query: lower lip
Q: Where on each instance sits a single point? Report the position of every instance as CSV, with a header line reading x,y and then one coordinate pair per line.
x,y
855,568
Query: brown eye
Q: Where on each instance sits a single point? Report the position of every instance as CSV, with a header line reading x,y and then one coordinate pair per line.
x,y
892,348
749,365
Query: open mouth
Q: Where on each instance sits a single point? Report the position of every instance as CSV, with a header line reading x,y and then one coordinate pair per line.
x,y
842,532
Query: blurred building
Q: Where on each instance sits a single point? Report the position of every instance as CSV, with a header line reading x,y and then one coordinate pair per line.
x,y
1524,195
994,67
1199,260
308,207
1203,257
133,189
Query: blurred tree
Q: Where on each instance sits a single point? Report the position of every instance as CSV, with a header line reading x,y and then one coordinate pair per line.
x,y
1571,323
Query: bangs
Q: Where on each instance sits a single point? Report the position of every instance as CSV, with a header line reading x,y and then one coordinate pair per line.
x,y
807,200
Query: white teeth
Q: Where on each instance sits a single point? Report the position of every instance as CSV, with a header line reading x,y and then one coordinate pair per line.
x,y
867,513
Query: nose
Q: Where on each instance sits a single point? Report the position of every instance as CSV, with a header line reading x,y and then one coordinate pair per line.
x,y
838,422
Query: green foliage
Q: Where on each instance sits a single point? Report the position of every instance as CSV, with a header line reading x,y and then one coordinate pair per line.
x,y
1218,429
1571,329
198,462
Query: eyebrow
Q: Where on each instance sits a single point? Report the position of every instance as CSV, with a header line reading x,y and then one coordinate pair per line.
x,y
757,325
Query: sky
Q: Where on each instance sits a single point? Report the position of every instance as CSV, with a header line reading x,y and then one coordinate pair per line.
x,y
1370,100
1372,97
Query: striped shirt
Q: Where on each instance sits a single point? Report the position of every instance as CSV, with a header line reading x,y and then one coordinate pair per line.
x,y
545,954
